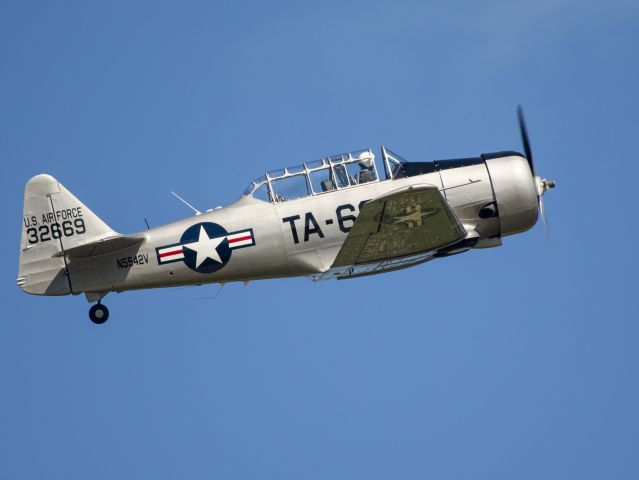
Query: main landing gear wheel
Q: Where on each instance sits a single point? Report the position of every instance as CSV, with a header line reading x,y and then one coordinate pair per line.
x,y
98,313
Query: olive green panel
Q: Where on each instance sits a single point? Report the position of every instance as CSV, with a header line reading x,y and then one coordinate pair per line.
x,y
399,224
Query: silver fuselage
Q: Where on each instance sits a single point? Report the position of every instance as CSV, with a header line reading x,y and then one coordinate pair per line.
x,y
302,237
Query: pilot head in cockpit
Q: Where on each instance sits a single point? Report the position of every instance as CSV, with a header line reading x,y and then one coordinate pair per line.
x,y
366,164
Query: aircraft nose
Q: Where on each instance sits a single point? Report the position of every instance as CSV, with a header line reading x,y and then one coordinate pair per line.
x,y
515,193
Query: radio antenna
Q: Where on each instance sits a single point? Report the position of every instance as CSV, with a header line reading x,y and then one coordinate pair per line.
x,y
197,212
135,204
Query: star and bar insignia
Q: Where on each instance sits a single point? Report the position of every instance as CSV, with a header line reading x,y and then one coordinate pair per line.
x,y
205,247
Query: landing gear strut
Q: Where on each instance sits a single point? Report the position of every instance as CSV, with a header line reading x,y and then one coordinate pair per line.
x,y
98,313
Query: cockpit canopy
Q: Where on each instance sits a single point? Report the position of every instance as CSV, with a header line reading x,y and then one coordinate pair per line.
x,y
345,170
336,172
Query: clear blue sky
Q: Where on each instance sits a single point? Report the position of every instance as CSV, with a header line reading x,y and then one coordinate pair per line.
x,y
517,362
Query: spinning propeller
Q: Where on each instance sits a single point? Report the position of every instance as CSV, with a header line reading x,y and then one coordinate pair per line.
x,y
541,184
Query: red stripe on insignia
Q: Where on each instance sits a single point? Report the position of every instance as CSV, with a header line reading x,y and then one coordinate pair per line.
x,y
172,252
241,239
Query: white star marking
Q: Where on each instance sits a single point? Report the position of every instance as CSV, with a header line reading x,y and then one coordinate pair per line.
x,y
205,247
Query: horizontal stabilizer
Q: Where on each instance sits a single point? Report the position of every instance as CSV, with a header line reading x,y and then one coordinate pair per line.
x,y
99,247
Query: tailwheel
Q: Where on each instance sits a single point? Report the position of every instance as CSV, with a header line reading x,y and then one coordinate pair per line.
x,y
98,313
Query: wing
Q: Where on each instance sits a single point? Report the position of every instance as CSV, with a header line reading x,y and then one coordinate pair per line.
x,y
398,230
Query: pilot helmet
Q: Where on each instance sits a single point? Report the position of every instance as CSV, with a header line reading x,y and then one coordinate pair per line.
x,y
366,160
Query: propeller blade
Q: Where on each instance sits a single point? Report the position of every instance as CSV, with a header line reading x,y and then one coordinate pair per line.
x,y
541,185
524,138
542,213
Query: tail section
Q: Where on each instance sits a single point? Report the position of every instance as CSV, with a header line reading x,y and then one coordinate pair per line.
x,y
53,221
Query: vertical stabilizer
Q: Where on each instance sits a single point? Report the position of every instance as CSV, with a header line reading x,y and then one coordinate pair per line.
x,y
53,220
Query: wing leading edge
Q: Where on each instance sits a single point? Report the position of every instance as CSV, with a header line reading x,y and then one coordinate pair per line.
x,y
397,230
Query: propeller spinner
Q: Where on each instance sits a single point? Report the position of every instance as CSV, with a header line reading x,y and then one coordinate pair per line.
x,y
542,185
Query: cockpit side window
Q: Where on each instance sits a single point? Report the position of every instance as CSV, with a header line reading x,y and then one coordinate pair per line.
x,y
360,172
261,193
353,172
289,188
341,176
258,188
322,180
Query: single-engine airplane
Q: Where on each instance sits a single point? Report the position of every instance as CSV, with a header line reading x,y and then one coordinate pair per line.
x,y
338,217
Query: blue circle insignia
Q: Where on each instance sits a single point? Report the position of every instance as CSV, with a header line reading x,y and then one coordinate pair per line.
x,y
206,247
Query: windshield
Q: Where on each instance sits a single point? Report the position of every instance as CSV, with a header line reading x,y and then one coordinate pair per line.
x,y
392,162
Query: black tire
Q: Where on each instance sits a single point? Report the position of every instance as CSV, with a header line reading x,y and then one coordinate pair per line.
x,y
98,314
